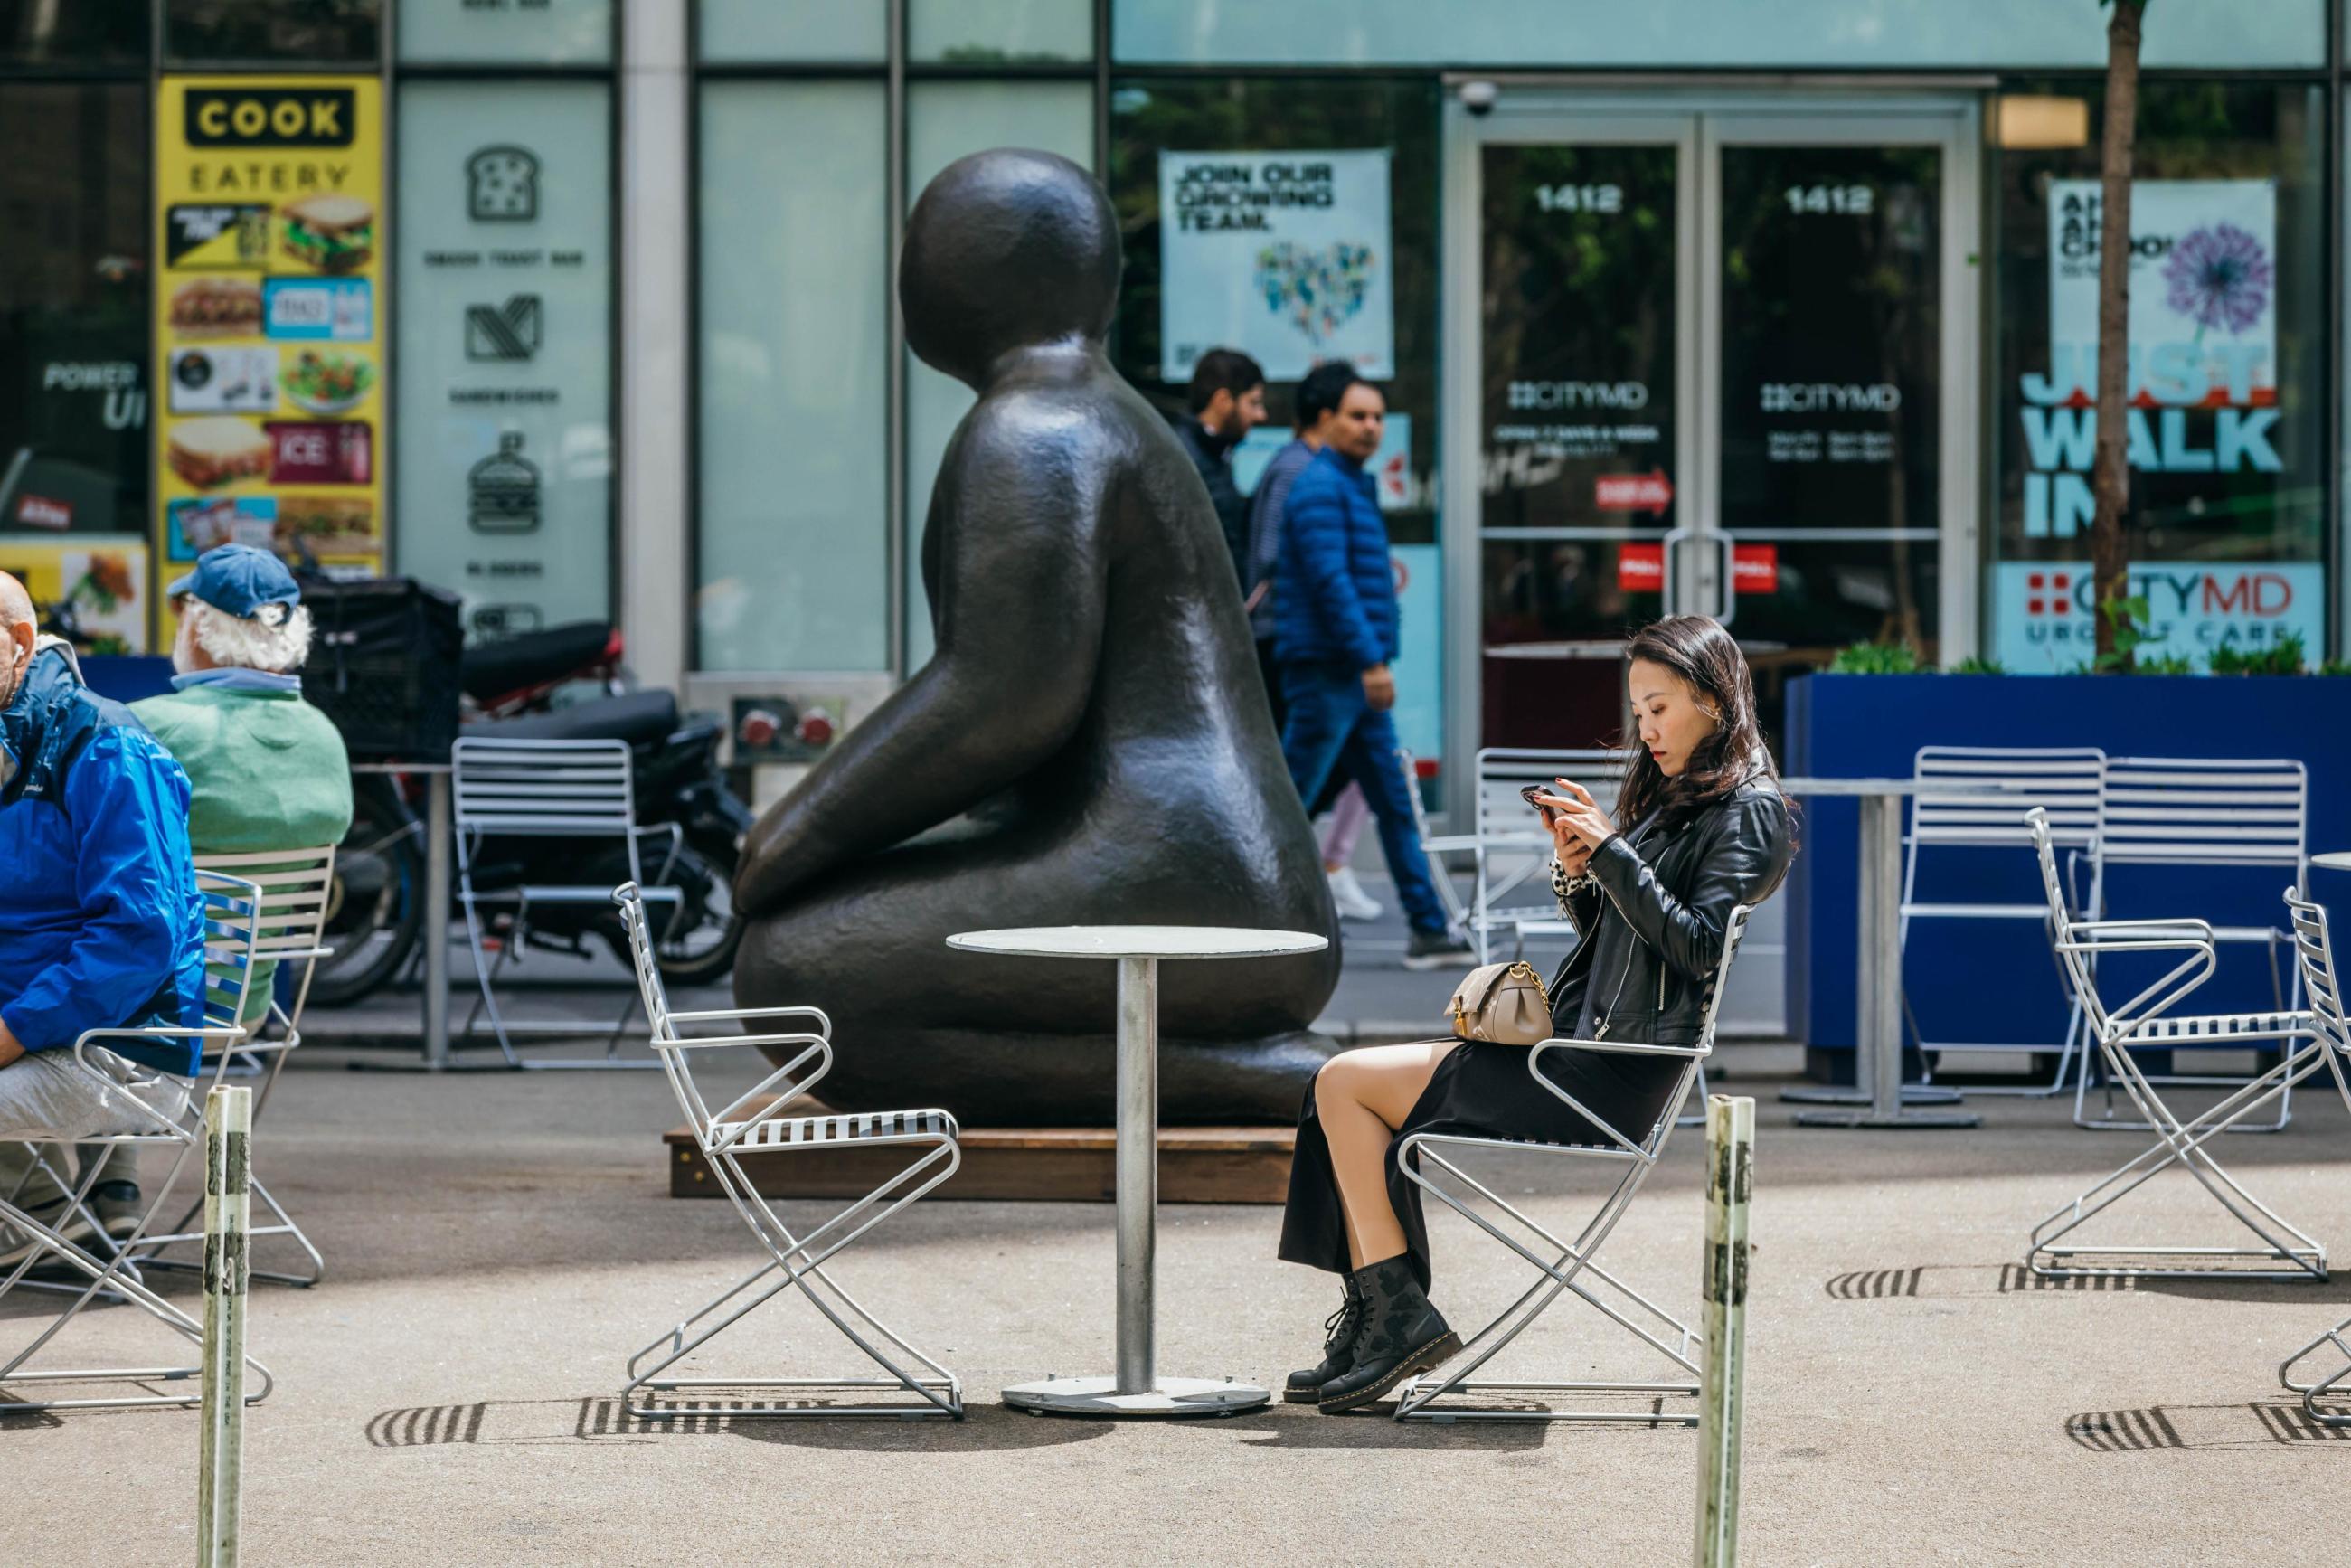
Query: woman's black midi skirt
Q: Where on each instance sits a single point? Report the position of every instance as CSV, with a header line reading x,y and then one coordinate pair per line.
x,y
1479,1090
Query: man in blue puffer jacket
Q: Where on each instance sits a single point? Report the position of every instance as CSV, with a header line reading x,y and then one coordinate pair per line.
x,y
1334,638
100,923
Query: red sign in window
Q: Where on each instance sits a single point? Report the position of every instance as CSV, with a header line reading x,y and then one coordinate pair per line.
x,y
1755,568
1641,568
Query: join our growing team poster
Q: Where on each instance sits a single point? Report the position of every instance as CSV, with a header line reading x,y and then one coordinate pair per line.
x,y
268,319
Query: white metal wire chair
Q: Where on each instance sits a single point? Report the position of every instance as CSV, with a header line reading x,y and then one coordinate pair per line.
x,y
754,1122
1569,1265
2146,1020
294,888
1512,850
2063,782
2204,812
2322,984
144,1108
577,789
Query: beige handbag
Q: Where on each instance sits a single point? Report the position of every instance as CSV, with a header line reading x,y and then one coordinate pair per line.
x,y
1505,1004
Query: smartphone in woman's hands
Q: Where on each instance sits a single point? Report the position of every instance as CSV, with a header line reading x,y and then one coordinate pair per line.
x,y
1529,794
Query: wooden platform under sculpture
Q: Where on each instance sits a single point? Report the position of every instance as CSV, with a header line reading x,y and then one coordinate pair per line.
x,y
1072,1164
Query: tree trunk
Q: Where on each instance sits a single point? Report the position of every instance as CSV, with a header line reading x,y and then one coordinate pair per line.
x,y
2110,479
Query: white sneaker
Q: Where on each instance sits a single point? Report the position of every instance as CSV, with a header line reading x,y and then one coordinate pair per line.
x,y
1347,893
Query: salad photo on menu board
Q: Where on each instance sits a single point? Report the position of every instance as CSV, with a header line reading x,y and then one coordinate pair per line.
x,y
269,196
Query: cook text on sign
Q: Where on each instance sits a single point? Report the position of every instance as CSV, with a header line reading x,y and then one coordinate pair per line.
x,y
269,117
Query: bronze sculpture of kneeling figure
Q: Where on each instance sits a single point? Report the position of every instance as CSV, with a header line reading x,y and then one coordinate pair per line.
x,y
1088,746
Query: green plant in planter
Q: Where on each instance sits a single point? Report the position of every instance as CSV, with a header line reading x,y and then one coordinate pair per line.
x,y
1875,659
2282,657
2129,617
2335,667
1976,665
2164,664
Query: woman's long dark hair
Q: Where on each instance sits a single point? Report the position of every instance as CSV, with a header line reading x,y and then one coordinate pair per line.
x,y
1704,656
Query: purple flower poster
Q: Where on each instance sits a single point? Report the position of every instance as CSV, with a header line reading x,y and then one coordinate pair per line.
x,y
1283,256
2203,292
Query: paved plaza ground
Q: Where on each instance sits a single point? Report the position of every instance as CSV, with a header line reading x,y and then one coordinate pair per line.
x,y
498,1244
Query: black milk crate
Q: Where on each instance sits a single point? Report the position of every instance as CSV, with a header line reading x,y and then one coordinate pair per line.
x,y
384,666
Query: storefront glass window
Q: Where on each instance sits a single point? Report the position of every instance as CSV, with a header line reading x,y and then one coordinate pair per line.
x,y
1685,34
792,562
1304,227
504,466
945,121
337,32
837,30
74,350
2226,527
999,32
87,32
539,33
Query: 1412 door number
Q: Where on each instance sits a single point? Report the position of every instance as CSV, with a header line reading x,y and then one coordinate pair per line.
x,y
1854,200
1580,198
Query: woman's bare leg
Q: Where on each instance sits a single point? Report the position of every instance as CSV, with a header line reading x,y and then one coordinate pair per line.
x,y
1362,1097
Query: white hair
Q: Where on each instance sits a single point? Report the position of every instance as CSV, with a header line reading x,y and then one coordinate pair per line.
x,y
274,639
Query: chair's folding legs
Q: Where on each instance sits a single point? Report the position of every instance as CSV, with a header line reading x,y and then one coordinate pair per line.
x,y
1695,1118
2312,1392
799,1261
284,1226
487,974
2302,1256
1567,1272
116,1277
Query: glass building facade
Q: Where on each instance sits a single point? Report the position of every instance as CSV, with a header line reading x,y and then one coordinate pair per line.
x,y
1785,313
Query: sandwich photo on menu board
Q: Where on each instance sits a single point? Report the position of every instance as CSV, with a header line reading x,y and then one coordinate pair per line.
x,y
210,453
216,307
331,233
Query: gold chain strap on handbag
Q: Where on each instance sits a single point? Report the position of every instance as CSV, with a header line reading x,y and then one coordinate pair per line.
x,y
1505,1004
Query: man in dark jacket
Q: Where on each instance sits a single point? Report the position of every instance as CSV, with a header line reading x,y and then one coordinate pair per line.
x,y
1227,402
100,923
1336,635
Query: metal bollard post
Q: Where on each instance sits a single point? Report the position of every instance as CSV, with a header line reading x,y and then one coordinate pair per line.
x,y
1730,1181
228,1204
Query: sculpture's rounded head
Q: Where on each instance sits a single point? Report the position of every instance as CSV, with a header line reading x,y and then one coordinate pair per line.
x,y
1005,249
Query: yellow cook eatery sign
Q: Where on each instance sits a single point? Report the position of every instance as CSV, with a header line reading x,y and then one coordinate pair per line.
x,y
269,319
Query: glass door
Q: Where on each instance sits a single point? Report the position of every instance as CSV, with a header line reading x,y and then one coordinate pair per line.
x,y
1586,356
1706,356
1825,279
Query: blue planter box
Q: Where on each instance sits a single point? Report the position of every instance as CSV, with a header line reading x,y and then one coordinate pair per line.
x,y
1995,981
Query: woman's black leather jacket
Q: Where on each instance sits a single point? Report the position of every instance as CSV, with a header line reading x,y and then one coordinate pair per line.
x,y
1653,915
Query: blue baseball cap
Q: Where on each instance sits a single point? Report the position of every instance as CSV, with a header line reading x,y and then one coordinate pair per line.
x,y
240,579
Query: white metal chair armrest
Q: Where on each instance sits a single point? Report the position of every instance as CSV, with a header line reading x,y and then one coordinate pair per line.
x,y
824,1022
2182,925
1624,1047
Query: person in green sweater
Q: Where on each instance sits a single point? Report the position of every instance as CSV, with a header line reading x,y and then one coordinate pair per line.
x,y
266,770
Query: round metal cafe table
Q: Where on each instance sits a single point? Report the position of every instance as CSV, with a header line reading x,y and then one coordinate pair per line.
x,y
1136,1389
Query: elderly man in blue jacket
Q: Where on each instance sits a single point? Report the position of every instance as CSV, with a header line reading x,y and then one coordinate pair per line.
x,y
100,923
1334,638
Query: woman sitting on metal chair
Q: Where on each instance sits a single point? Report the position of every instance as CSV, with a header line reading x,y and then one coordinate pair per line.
x,y
1701,828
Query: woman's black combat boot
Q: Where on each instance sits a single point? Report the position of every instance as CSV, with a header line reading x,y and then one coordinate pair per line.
x,y
1338,1349
1401,1335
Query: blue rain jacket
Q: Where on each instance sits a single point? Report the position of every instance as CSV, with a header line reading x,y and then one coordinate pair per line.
x,y
100,923
1337,603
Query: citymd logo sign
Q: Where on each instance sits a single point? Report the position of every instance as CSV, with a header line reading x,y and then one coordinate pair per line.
x,y
1830,397
2043,623
1579,394
269,117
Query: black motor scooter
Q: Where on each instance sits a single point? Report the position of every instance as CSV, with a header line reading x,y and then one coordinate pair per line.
x,y
375,921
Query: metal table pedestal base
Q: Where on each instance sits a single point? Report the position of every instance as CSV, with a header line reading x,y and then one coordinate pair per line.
x,y
1173,1397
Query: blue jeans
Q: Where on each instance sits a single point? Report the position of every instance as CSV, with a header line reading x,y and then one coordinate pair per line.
x,y
1331,725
